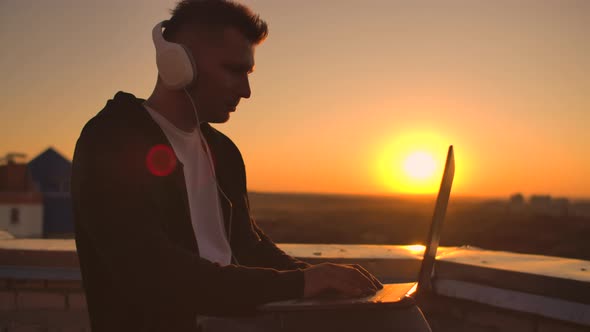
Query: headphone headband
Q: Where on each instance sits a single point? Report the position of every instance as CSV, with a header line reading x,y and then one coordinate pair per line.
x,y
157,36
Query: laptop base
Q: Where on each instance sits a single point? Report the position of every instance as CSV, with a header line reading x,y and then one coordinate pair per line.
x,y
392,295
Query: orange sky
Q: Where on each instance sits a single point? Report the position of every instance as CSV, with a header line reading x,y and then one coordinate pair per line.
x,y
340,91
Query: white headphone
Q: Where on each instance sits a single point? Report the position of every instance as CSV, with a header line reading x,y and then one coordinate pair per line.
x,y
176,65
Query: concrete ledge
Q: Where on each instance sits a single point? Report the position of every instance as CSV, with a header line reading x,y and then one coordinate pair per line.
x,y
558,267
548,286
573,312
531,290
39,253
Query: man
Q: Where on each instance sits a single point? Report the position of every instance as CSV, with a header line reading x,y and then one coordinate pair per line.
x,y
163,227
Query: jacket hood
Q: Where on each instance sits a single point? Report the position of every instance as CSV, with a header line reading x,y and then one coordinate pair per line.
x,y
124,101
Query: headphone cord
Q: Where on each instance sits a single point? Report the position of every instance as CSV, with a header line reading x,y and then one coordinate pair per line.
x,y
212,167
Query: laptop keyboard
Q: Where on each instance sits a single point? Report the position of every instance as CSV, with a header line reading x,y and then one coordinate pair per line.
x,y
386,291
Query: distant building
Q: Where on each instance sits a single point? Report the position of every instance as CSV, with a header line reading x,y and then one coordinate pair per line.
x,y
21,204
544,205
51,174
517,199
581,209
516,203
560,207
540,204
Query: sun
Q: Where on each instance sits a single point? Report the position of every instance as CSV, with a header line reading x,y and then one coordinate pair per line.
x,y
415,172
412,163
420,165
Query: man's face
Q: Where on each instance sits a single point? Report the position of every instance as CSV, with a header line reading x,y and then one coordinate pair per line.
x,y
222,75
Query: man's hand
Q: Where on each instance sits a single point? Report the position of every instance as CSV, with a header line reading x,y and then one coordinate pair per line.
x,y
343,280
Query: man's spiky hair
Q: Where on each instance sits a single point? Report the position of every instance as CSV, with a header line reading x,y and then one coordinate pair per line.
x,y
215,15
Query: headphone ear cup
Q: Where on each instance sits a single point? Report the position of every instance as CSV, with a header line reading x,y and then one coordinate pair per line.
x,y
175,66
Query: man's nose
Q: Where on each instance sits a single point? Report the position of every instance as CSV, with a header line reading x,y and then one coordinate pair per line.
x,y
244,88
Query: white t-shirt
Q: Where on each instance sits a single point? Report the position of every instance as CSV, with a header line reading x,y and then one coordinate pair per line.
x,y
203,195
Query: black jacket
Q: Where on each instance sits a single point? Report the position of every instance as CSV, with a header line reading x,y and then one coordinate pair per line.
x,y
138,254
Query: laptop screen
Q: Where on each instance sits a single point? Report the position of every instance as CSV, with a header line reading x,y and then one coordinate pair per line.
x,y
442,201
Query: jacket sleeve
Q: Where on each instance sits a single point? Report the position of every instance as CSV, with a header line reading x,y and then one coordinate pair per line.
x,y
129,240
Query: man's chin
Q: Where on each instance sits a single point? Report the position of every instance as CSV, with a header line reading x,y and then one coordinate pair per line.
x,y
221,118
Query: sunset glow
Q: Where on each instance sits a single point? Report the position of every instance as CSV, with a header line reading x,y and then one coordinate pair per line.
x,y
413,162
363,98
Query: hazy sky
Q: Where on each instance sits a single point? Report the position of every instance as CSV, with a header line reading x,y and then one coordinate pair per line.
x,y
343,90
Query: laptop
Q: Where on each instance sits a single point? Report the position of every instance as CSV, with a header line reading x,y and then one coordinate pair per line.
x,y
395,294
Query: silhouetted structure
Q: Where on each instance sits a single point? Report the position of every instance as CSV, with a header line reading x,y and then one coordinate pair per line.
x,y
580,209
540,204
516,204
21,208
560,207
51,174
544,205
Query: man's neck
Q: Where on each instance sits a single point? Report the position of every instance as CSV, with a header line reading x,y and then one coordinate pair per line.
x,y
175,107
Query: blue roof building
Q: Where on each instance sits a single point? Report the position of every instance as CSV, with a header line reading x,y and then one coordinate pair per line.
x,y
51,174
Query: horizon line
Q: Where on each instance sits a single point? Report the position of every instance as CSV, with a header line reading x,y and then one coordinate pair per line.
x,y
410,195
